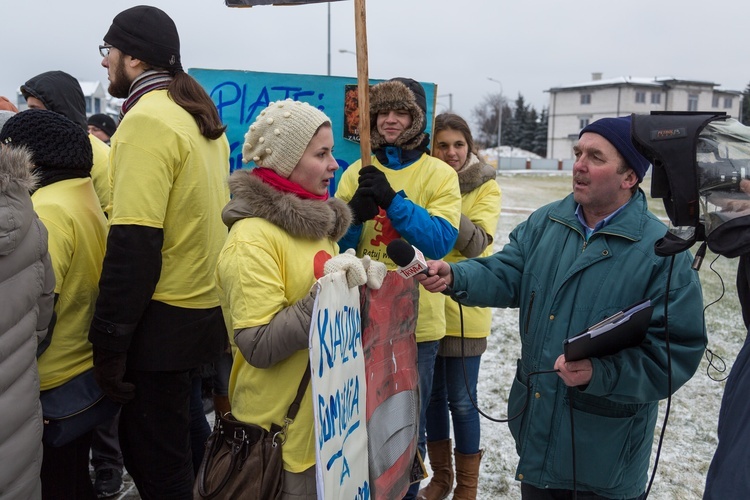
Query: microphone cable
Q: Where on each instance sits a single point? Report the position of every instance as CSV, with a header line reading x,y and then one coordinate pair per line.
x,y
528,391
466,377
715,361
669,378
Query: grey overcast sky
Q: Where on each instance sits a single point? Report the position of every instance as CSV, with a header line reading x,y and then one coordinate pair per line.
x,y
528,45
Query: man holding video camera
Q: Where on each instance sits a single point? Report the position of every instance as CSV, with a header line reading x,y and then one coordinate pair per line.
x,y
568,266
729,473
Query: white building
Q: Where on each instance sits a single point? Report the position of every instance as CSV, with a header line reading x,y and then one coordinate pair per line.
x,y
96,97
572,107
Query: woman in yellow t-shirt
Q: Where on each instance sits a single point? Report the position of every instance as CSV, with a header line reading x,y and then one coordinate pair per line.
x,y
480,211
283,228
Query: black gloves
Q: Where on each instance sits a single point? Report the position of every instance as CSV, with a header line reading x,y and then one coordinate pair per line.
x,y
363,207
373,182
109,370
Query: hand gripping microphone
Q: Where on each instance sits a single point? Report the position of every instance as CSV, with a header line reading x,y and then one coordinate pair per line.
x,y
410,262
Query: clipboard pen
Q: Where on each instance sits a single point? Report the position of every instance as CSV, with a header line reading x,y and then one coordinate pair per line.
x,y
603,322
626,328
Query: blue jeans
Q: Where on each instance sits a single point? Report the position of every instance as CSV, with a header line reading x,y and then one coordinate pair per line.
x,y
450,399
426,354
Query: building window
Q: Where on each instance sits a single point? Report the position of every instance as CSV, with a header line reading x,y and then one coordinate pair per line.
x,y
655,97
727,103
692,102
88,104
715,101
585,98
640,96
583,123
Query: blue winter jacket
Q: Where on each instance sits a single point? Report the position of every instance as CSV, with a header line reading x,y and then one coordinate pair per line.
x,y
562,285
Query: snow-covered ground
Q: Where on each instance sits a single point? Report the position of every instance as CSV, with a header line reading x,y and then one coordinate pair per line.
x,y
508,152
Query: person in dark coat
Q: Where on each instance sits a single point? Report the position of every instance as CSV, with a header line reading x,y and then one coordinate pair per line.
x,y
729,473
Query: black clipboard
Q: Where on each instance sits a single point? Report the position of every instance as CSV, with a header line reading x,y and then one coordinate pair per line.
x,y
626,328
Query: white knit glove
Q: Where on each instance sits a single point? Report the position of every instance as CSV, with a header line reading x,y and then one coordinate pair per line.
x,y
375,272
348,262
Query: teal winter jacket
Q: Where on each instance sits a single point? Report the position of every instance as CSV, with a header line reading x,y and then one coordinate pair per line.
x,y
563,284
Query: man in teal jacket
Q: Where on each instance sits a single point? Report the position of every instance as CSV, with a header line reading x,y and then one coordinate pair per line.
x,y
570,265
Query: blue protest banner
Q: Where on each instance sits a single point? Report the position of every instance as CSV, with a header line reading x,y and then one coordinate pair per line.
x,y
241,95
250,3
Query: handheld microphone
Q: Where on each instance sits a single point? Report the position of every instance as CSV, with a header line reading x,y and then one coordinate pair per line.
x,y
410,262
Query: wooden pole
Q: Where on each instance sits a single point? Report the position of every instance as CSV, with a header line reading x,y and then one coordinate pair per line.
x,y
363,80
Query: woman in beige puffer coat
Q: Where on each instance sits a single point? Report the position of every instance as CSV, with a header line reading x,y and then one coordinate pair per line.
x,y
27,285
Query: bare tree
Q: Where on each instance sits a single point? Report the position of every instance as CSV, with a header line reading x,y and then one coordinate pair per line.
x,y
485,118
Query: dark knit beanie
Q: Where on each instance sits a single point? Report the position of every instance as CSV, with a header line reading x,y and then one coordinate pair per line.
x,y
103,122
617,132
54,141
399,94
148,34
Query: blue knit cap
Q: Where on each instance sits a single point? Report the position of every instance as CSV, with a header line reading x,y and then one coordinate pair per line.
x,y
617,132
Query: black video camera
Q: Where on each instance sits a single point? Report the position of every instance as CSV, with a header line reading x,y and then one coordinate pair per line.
x,y
699,162
723,176
717,170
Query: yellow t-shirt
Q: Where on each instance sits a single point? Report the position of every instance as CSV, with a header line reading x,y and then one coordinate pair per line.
x,y
165,174
77,229
262,269
100,171
482,206
429,183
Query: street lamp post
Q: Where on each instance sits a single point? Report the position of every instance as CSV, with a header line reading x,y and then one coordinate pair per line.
x,y
329,39
450,101
499,118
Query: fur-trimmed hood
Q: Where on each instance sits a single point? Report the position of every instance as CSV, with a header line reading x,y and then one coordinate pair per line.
x,y
312,219
474,173
16,168
16,210
398,93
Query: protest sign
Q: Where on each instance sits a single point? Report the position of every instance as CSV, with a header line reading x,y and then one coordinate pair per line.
x,y
251,3
389,317
240,95
338,381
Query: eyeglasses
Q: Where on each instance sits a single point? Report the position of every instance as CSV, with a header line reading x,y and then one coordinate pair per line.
x,y
104,50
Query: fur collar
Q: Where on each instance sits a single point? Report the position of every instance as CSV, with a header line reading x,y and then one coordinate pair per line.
x,y
311,219
16,168
474,173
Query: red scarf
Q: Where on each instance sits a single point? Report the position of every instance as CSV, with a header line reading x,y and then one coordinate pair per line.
x,y
285,185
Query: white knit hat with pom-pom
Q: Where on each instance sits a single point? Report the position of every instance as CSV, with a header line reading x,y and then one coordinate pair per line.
x,y
280,135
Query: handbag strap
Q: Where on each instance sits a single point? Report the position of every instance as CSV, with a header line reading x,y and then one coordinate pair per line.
x,y
279,432
291,413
